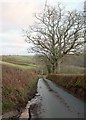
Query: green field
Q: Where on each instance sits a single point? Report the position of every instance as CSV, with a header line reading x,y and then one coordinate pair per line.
x,y
70,65
24,62
18,59
23,66
71,69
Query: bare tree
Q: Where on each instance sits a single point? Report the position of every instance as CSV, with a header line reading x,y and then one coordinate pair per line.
x,y
56,34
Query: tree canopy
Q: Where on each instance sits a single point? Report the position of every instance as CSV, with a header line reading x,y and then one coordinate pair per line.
x,y
56,33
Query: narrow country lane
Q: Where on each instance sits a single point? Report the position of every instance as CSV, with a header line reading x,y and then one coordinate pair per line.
x,y
54,102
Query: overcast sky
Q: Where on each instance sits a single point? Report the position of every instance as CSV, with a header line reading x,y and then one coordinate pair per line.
x,y
19,14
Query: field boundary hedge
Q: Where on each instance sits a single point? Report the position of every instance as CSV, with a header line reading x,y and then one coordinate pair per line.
x,y
73,83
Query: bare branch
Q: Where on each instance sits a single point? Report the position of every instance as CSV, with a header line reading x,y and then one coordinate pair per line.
x,y
57,33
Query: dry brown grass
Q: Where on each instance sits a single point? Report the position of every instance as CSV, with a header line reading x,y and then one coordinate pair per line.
x,y
18,86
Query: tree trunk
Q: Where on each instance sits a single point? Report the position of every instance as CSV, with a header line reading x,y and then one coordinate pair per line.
x,y
49,69
56,66
59,66
53,68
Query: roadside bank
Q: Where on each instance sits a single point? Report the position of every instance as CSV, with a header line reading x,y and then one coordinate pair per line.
x,y
19,86
73,83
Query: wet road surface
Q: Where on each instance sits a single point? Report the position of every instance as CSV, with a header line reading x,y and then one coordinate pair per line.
x,y
53,102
